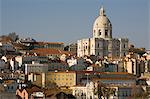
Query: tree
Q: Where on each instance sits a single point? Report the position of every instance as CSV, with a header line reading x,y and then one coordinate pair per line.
x,y
50,85
13,36
103,91
139,51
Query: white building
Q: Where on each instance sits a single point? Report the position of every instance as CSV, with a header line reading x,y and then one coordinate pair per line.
x,y
102,44
75,61
14,64
84,92
28,59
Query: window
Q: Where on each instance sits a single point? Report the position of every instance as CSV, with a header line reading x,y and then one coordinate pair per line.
x,y
117,53
106,32
90,97
98,45
124,54
99,32
98,53
126,93
85,47
124,46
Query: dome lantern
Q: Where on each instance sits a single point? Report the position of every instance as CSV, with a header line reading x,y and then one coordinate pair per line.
x,y
102,11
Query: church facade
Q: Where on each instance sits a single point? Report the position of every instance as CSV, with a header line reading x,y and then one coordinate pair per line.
x,y
102,43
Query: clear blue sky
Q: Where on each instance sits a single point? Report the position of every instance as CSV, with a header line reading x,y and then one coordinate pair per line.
x,y
69,20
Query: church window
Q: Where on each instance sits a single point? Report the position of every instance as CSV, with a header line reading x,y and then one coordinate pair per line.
x,y
98,45
99,32
106,32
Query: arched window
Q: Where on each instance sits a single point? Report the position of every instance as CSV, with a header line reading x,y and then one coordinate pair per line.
x,y
86,47
99,32
106,32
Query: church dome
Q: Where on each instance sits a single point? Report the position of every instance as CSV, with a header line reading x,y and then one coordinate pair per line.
x,y
102,27
102,21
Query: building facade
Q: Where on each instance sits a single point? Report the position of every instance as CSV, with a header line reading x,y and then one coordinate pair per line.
x,y
62,78
102,44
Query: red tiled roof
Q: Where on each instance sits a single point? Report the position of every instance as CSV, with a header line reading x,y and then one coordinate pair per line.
x,y
49,51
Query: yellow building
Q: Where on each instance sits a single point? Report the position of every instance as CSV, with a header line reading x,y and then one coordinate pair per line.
x,y
62,78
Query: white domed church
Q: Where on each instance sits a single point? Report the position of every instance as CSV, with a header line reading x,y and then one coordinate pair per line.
x,y
102,44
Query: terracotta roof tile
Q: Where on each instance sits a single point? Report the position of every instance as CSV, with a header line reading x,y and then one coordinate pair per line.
x,y
46,51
